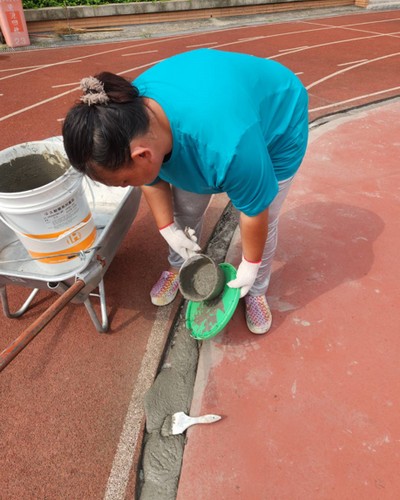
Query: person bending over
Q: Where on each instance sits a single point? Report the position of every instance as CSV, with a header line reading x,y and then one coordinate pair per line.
x,y
199,123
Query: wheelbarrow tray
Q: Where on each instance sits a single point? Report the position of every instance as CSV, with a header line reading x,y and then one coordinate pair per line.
x,y
113,210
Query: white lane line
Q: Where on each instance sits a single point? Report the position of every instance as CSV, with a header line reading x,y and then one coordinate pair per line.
x,y
352,62
354,24
64,85
95,54
45,101
299,73
339,103
370,31
275,35
123,459
140,67
251,38
38,66
328,44
375,22
139,53
294,49
157,41
205,44
23,67
336,73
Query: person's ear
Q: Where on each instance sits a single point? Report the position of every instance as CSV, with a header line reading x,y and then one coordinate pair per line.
x,y
140,153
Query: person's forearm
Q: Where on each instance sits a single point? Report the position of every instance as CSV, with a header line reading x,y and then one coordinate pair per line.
x,y
254,231
159,199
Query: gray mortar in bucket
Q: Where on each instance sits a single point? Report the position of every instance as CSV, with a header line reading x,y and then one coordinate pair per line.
x,y
32,171
201,279
172,390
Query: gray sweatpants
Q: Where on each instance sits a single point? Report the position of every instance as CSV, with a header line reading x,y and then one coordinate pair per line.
x,y
189,209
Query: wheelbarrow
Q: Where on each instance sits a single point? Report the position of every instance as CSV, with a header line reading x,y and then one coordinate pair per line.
x,y
114,210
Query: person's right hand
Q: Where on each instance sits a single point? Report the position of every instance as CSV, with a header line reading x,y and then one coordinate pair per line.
x,y
183,242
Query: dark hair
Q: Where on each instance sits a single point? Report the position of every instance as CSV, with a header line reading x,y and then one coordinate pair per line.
x,y
100,134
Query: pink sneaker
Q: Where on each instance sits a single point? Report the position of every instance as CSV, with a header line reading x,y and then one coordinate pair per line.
x,y
258,314
165,290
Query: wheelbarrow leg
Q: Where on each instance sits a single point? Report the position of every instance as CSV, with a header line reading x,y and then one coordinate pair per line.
x,y
21,310
102,326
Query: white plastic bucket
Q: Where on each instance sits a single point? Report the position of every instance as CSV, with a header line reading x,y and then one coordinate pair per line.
x,y
43,201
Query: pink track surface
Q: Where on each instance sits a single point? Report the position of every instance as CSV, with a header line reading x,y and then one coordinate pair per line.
x,y
311,409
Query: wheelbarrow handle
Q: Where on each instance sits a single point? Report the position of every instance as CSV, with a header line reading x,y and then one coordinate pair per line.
x,y
37,326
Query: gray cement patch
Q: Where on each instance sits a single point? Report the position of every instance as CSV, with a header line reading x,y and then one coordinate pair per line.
x,y
172,390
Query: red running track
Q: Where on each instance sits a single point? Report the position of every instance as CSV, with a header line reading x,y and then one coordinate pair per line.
x,y
72,397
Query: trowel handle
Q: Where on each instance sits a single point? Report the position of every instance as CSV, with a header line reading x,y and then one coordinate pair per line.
x,y
206,419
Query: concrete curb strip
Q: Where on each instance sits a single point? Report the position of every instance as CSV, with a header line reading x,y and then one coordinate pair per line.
x,y
82,11
172,390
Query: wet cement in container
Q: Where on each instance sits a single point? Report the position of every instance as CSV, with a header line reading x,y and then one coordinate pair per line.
x,y
203,280
30,172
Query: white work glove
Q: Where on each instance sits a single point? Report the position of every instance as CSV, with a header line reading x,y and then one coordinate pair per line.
x,y
183,242
245,277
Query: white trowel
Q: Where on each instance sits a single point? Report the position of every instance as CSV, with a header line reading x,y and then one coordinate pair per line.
x,y
179,422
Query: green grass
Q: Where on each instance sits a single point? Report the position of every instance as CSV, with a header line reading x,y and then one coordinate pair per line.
x,y
37,4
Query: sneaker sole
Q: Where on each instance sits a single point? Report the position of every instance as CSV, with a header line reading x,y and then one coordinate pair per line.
x,y
157,302
259,331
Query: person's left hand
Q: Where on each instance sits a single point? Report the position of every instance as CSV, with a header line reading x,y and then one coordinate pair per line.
x,y
183,242
245,277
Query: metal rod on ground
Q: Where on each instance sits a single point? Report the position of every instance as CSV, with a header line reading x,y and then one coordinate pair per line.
x,y
37,326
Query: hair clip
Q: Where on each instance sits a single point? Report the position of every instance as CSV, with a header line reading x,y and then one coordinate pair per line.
x,y
93,91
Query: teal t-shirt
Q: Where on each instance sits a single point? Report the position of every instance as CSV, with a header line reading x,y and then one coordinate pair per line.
x,y
239,124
